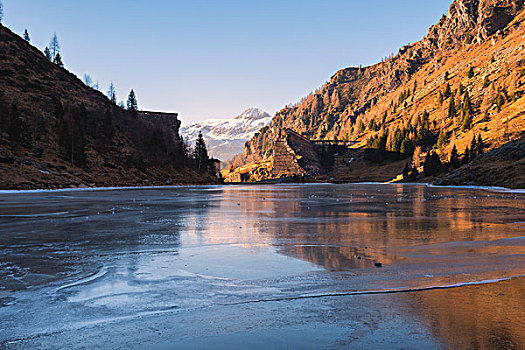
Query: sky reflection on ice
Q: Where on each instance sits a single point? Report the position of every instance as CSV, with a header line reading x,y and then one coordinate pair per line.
x,y
94,256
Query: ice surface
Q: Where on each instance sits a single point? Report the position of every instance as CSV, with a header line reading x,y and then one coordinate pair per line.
x,y
100,265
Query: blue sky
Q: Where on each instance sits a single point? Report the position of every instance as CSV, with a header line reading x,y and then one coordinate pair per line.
x,y
209,59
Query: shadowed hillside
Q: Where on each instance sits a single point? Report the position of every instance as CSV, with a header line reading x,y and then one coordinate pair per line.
x,y
58,132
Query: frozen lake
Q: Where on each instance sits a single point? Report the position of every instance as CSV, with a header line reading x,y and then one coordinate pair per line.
x,y
287,266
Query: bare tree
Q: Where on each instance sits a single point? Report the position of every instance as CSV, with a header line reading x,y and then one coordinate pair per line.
x,y
417,158
87,80
54,46
112,93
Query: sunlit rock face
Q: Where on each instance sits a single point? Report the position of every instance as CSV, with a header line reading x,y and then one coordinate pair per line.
x,y
295,155
483,35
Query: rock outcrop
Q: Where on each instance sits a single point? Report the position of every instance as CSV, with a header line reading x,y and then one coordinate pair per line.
x,y
477,47
295,155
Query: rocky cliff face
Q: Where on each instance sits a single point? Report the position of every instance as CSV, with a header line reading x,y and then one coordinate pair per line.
x,y
485,35
295,155
468,20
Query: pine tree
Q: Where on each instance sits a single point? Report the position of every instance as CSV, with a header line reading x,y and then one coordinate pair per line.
x,y
58,60
466,156
112,93
461,89
480,145
407,146
454,158
47,53
466,108
432,165
413,174
360,126
442,139
406,171
383,119
132,101
54,46
200,154
486,82
372,126
473,148
26,36
452,109
397,140
499,101
370,143
467,122
380,142
486,117
448,92
424,137
1,12
471,73
466,105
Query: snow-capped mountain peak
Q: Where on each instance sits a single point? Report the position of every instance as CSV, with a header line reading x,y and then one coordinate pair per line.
x,y
252,114
225,138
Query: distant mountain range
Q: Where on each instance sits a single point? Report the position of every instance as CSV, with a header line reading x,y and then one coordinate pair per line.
x,y
226,137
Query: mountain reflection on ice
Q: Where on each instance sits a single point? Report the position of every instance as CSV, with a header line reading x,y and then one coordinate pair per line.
x,y
75,259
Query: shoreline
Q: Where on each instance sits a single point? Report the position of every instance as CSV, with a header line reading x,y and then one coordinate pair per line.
x,y
127,188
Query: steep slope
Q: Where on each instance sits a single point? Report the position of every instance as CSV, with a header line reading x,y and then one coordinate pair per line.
x,y
476,48
57,132
502,166
225,138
